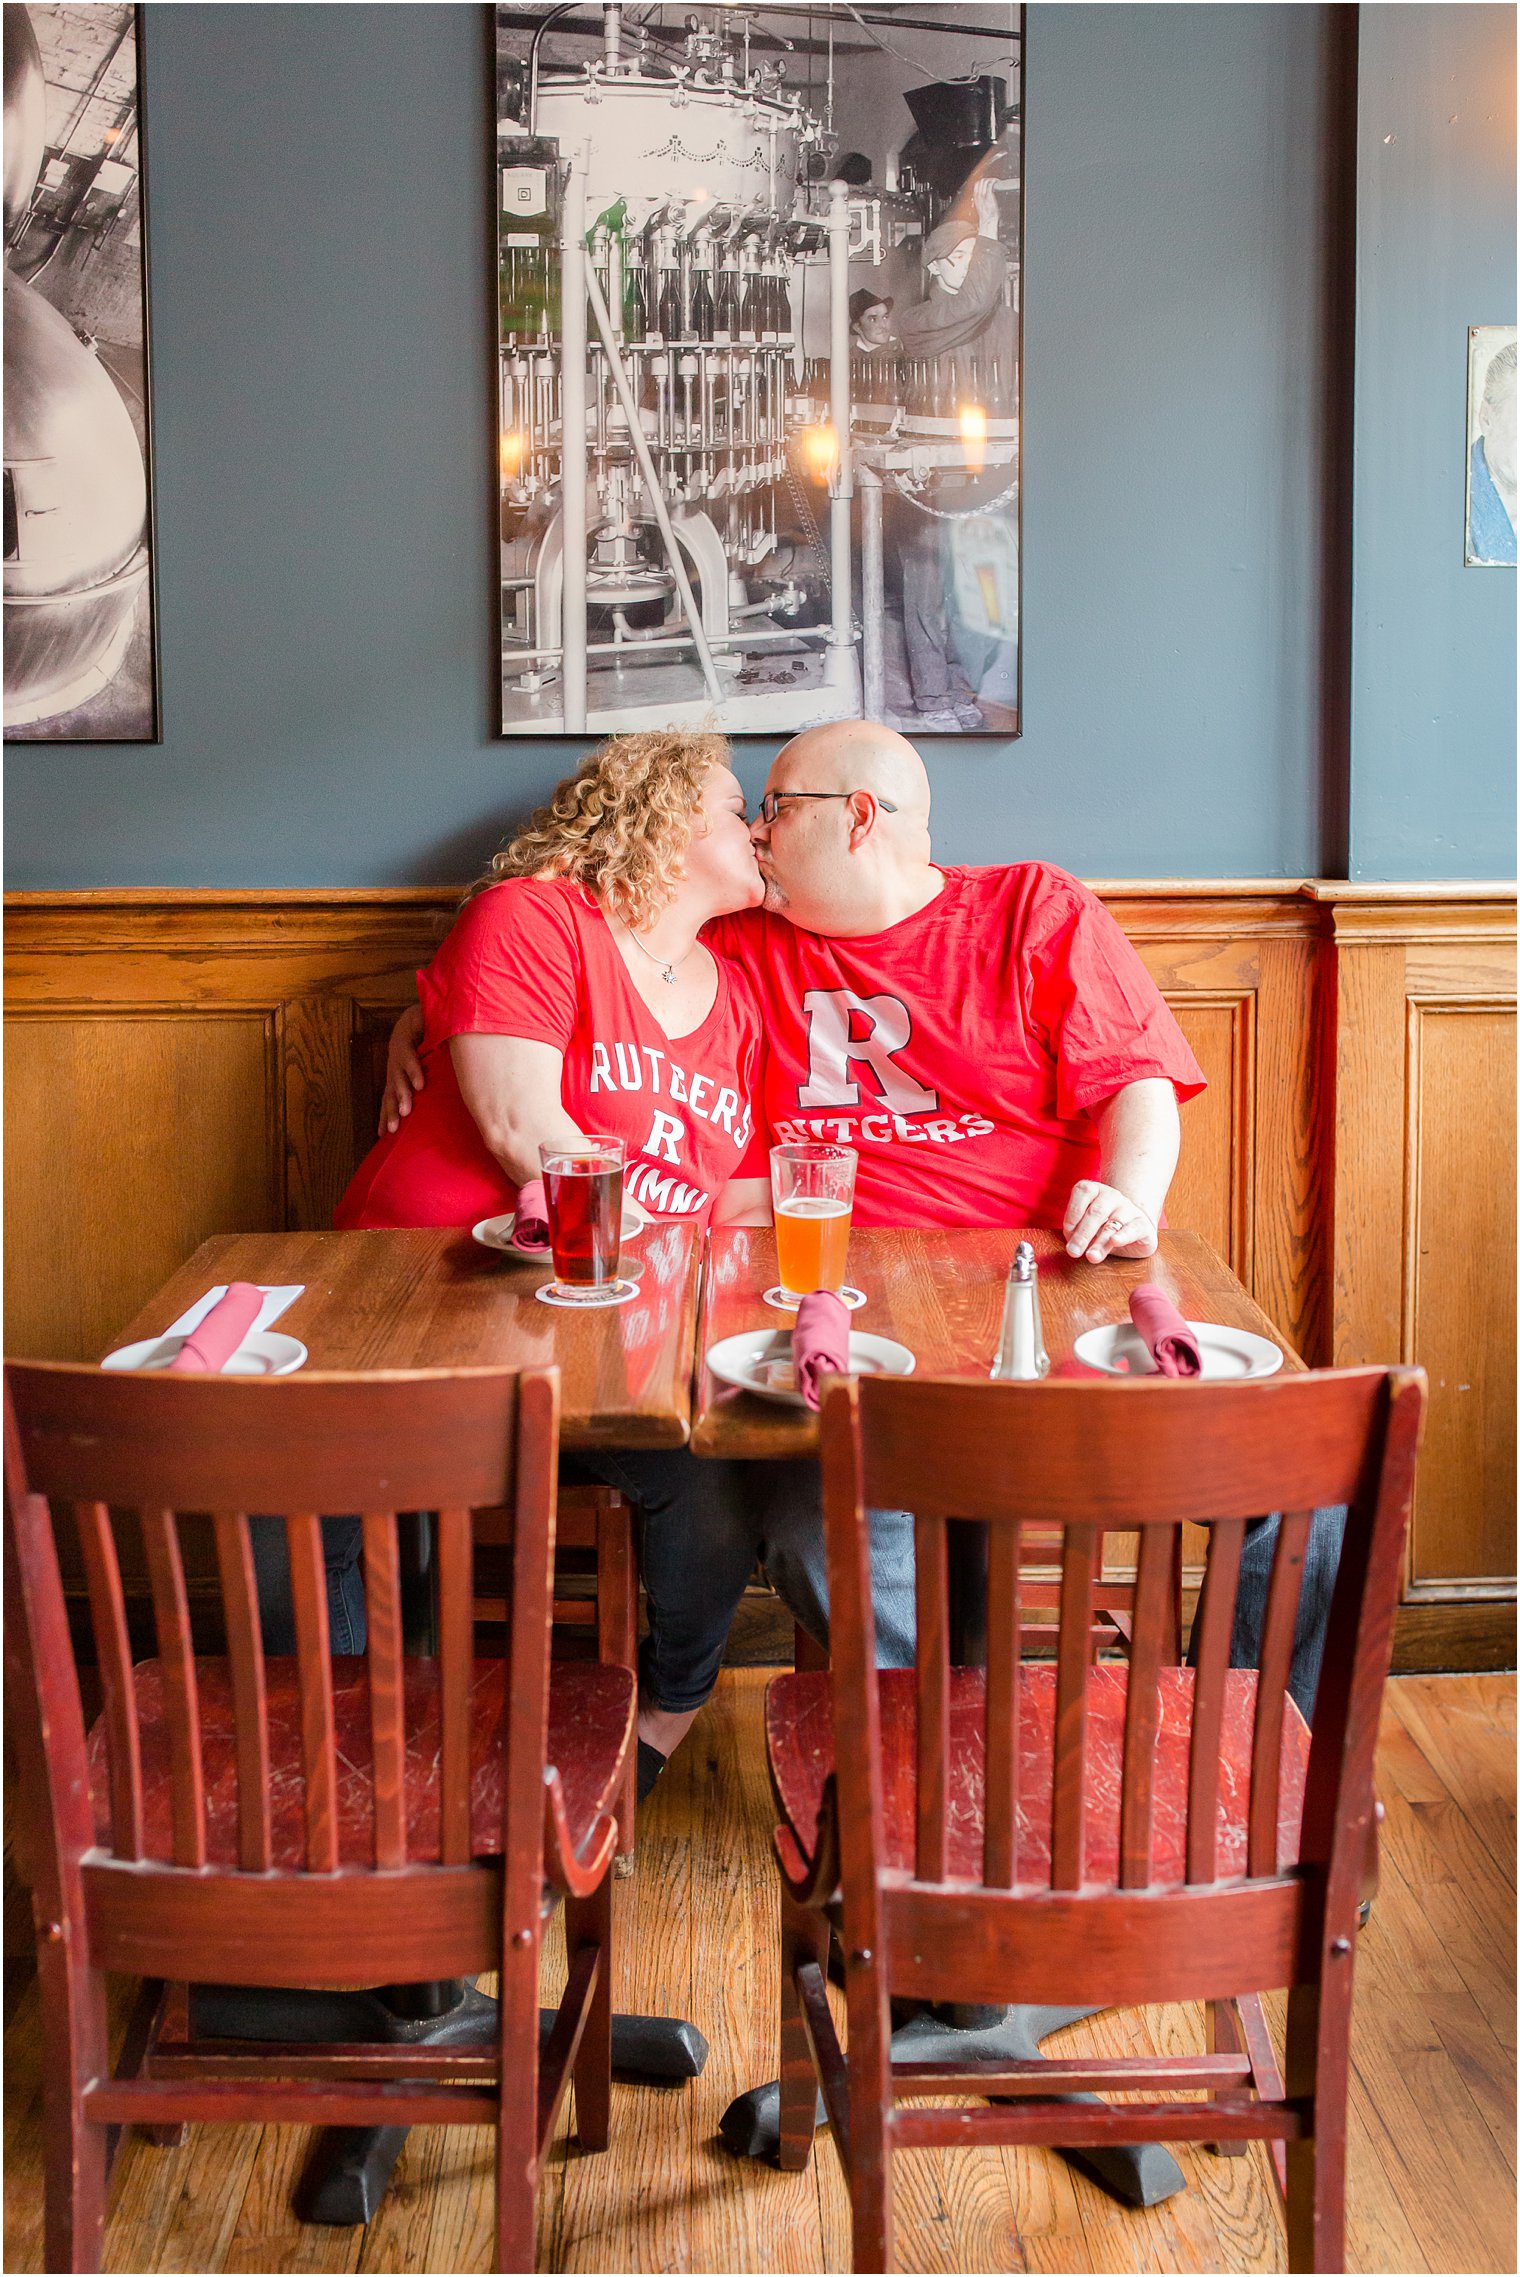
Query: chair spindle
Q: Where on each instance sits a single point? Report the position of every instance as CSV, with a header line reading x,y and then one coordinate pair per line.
x,y
1213,1623
1283,1591
245,1662
1150,1643
456,1668
1079,1567
1000,1838
176,1652
319,1754
933,1664
387,1697
113,1658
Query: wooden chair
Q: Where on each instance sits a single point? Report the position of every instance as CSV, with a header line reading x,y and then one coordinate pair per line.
x,y
1086,1833
306,1821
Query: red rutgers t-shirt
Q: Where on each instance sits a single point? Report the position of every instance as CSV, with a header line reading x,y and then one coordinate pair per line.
x,y
963,1050
535,957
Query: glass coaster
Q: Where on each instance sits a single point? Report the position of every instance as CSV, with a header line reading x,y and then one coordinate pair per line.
x,y
586,1300
784,1301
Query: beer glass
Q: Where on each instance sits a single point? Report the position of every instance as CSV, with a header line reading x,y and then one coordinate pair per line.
x,y
583,1185
812,1193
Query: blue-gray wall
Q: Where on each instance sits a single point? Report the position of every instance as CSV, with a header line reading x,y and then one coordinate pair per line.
x,y
1433,642
318,230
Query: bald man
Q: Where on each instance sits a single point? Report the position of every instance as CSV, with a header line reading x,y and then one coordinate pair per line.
x,y
987,1038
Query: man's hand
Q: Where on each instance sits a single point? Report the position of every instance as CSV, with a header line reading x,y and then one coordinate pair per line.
x,y
403,1070
1101,1222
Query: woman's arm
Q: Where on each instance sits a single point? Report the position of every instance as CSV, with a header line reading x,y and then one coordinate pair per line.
x,y
744,1201
512,1088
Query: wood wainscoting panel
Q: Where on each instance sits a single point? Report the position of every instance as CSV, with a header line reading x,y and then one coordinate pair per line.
x,y
1211,1192
1424,1229
1459,1292
128,1137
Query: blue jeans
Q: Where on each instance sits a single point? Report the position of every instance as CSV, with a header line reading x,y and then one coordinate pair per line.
x,y
1322,1557
342,1546
702,1529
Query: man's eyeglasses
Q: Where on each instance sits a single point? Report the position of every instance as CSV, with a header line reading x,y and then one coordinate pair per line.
x,y
770,805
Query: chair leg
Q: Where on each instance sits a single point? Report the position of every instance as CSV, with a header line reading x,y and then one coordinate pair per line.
x,y
73,1998
617,1632
804,1937
1317,2058
869,2062
517,2119
588,1921
1225,2039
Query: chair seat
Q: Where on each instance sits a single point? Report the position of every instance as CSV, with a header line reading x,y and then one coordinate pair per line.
x,y
799,1733
591,1710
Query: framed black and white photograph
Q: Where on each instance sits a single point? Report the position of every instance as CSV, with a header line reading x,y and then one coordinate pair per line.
x,y
759,288
1490,446
80,640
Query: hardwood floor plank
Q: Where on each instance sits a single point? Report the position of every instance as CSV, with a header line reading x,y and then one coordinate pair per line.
x,y
628,2209
742,2215
1465,1726
266,2234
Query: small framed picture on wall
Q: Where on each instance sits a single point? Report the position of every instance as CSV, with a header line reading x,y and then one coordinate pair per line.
x,y
1490,445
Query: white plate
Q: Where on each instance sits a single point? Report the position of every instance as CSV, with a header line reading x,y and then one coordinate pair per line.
x,y
1119,1350
496,1233
761,1361
263,1353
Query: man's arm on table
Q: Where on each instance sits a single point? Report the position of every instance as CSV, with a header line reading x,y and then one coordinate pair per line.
x,y
1118,1213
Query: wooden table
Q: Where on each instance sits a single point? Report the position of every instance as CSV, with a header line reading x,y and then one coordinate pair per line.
x,y
939,1290
436,1299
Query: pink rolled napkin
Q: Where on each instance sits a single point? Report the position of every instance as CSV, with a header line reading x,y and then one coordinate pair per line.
x,y
1168,1338
532,1228
820,1342
207,1349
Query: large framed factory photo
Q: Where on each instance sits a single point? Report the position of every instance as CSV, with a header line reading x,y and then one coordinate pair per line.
x,y
80,649
759,370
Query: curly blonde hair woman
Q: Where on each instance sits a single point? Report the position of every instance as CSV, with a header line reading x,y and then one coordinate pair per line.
x,y
573,996
621,824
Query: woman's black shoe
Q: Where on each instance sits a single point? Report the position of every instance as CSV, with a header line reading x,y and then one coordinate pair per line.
x,y
651,1764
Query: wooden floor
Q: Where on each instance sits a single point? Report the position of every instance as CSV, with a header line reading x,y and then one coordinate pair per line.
x,y
1432,2144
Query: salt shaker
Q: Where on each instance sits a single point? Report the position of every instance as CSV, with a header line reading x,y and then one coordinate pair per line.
x,y
1021,1353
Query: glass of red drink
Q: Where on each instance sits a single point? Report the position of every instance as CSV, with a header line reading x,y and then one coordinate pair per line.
x,y
583,1184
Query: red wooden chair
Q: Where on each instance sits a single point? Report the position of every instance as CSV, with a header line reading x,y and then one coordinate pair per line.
x,y
1085,1833
312,1822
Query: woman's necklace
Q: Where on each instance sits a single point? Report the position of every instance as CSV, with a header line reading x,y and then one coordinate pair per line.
x,y
668,971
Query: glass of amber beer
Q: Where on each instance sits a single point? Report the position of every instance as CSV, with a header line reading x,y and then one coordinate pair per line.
x,y
813,1193
583,1185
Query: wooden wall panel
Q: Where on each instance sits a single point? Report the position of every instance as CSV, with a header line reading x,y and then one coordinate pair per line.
x,y
1211,1193
184,1064
1459,1293
127,1139
1424,1231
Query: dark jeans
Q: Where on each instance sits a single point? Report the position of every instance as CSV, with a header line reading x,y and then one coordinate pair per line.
x,y
342,1545
1322,1557
702,1529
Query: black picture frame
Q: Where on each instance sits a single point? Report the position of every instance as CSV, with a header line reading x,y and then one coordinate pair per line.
x,y
596,111
81,617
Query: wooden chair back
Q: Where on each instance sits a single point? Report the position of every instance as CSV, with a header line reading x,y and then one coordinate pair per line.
x,y
131,1449
1080,1460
